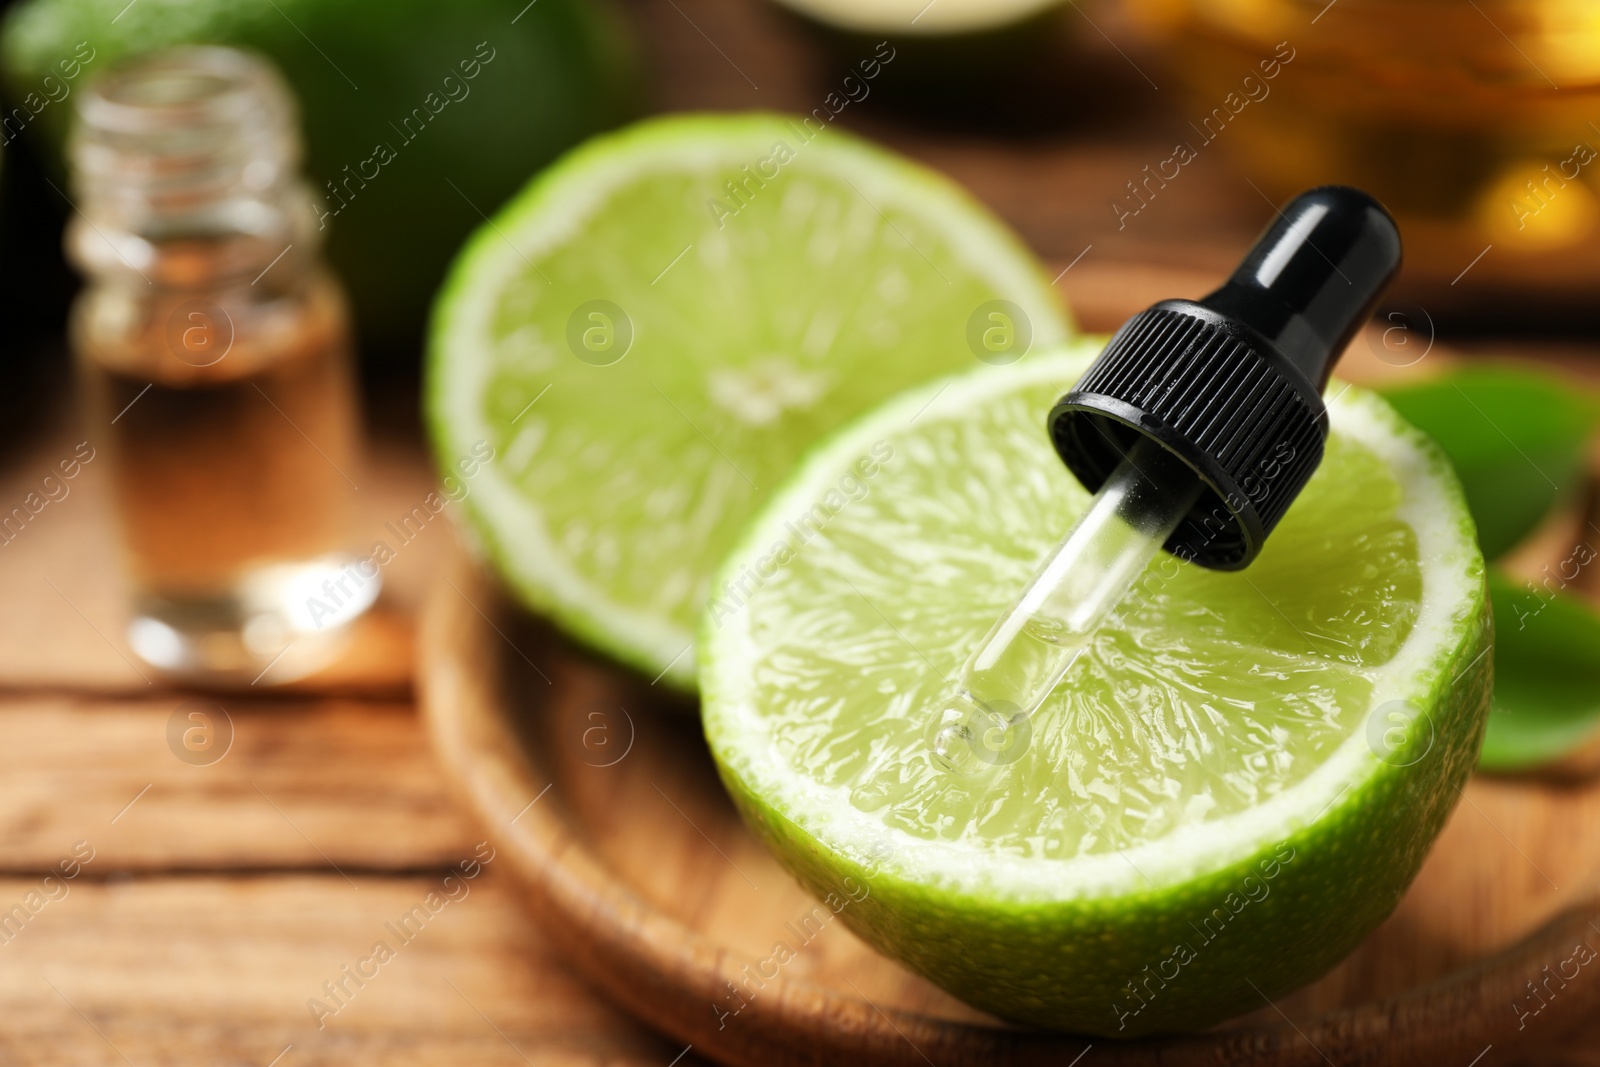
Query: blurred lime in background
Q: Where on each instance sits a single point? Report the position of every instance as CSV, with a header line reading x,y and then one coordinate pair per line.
x,y
420,117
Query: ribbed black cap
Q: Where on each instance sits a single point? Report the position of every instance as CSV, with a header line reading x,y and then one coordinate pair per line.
x,y
1233,383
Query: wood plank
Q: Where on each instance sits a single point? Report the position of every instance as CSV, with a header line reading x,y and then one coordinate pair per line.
x,y
304,784
220,971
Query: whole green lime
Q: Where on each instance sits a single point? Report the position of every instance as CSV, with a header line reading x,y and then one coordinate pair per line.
x,y
1236,781
420,117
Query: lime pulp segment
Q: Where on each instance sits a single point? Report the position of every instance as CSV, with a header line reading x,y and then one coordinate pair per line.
x,y
652,333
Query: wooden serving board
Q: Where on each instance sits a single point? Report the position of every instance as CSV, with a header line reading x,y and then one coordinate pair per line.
x,y
600,791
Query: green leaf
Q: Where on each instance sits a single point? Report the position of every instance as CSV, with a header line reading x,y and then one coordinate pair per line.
x,y
1546,669
1517,439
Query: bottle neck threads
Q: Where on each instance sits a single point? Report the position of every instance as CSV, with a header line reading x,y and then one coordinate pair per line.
x,y
186,171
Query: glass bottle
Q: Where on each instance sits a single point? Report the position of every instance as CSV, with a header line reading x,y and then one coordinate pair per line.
x,y
215,354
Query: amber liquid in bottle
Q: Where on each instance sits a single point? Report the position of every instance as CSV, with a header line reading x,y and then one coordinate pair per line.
x,y
215,355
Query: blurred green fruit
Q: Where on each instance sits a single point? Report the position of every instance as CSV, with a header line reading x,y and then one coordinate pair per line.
x,y
420,117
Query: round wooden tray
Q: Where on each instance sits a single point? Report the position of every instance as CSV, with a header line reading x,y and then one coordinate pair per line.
x,y
598,787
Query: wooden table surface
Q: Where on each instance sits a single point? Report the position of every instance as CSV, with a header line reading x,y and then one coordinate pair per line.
x,y
220,899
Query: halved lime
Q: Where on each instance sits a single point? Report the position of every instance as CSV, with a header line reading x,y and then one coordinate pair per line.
x,y
1234,784
653,331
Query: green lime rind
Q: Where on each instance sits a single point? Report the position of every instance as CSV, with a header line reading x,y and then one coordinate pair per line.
x,y
514,529
1187,932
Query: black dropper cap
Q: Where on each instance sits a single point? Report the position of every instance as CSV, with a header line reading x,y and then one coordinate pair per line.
x,y
1233,384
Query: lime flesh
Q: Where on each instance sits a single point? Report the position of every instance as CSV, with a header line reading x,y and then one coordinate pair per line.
x,y
654,331
1235,782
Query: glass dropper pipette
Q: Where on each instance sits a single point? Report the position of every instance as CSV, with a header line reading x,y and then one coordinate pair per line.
x,y
1196,428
